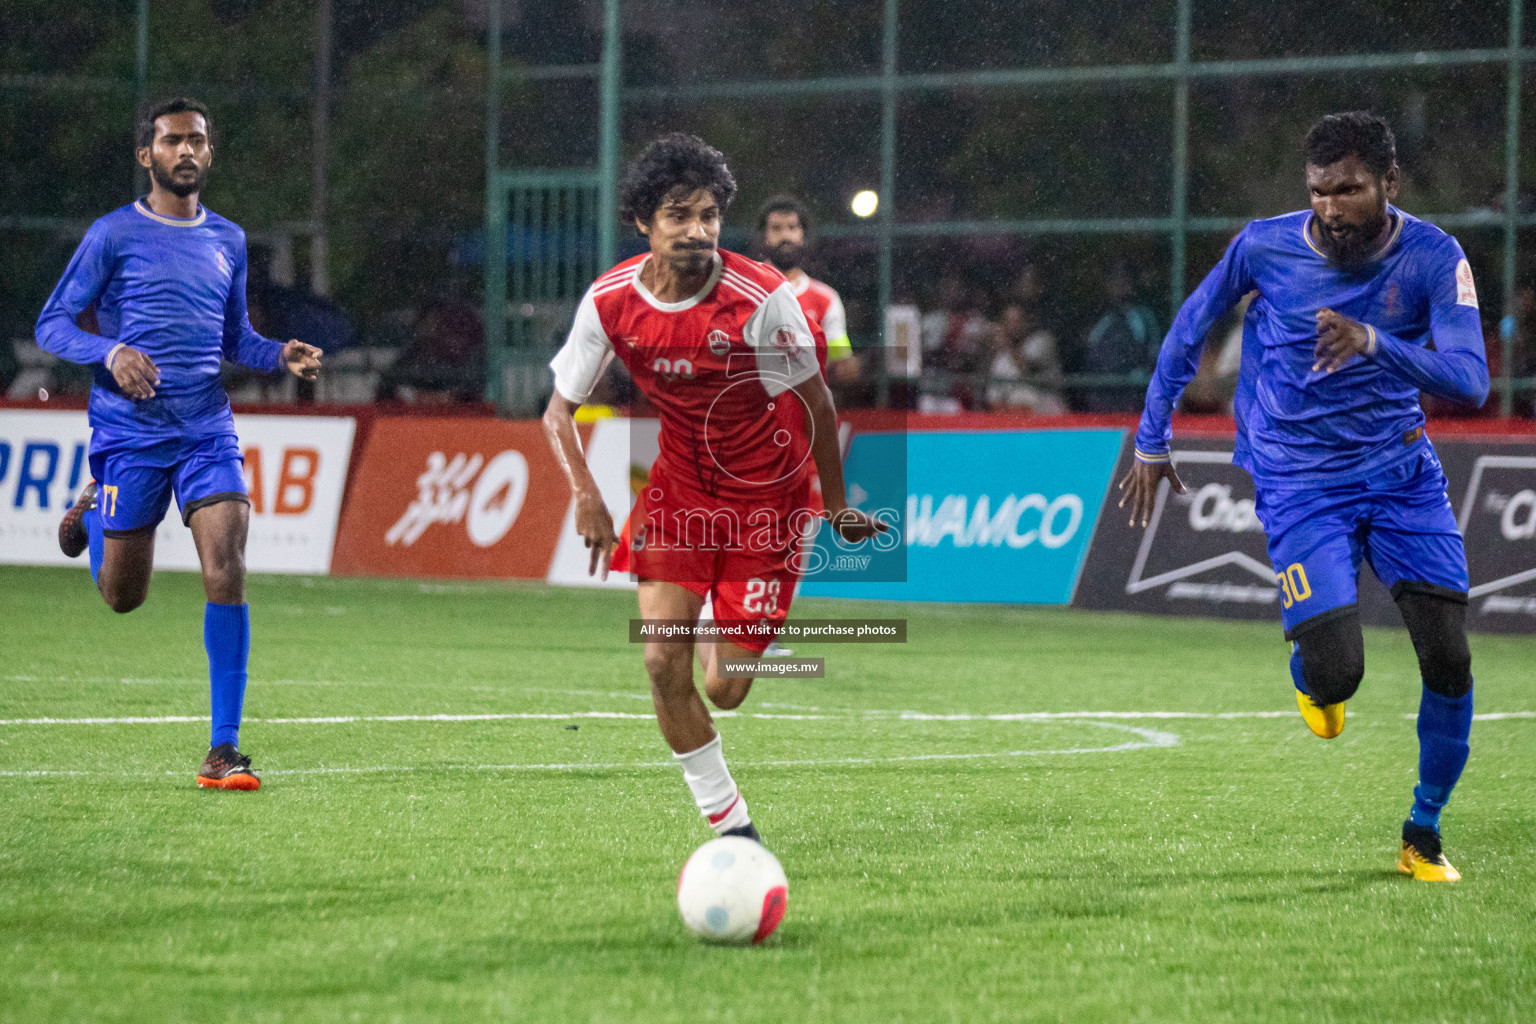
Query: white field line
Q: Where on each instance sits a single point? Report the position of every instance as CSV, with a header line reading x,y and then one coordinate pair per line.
x,y
182,681
1146,739
1492,716
348,719
1024,716
556,716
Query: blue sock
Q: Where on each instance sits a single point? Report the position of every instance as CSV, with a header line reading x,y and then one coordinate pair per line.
x,y
1444,725
95,540
1296,676
227,637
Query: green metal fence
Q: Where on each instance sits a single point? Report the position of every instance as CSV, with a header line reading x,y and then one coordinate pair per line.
x,y
1177,225
543,242
313,227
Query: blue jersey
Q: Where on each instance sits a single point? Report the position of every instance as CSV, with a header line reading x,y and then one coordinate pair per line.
x,y
1300,426
175,290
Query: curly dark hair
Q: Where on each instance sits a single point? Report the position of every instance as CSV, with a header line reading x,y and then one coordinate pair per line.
x,y
678,161
784,203
1357,133
145,133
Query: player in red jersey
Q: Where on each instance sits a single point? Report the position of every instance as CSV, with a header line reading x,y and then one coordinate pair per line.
x,y
716,342
783,228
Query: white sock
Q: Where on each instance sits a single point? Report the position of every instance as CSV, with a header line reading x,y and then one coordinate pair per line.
x,y
713,788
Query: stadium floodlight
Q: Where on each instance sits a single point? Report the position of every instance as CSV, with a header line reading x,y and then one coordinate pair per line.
x,y
865,203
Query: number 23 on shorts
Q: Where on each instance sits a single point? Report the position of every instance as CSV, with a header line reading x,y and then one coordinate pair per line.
x,y
763,597
1293,584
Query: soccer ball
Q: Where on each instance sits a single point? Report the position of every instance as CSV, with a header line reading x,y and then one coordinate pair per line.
x,y
732,890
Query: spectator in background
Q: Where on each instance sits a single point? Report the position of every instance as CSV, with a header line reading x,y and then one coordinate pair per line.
x,y
445,360
281,311
1023,350
1123,341
956,345
1029,291
1215,383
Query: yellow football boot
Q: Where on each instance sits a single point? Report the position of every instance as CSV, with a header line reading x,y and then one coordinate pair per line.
x,y
1327,720
1422,857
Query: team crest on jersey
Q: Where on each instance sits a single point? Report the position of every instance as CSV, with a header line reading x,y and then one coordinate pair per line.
x,y
1466,291
719,342
218,257
784,338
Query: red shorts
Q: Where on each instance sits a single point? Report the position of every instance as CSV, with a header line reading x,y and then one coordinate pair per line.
x,y
747,561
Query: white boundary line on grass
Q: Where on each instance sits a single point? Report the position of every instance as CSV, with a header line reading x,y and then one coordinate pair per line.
x,y
1146,739
509,716
907,716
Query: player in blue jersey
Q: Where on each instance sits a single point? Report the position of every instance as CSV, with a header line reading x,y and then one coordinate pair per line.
x,y
1336,349
166,277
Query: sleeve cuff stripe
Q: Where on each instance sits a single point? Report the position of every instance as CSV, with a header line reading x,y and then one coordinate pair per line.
x,y
1142,456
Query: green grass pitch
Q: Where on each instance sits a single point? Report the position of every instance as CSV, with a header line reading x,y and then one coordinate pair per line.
x,y
1064,869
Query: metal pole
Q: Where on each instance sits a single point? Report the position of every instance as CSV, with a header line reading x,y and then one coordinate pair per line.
x,y
1180,164
608,141
319,241
1507,323
495,305
887,193
141,92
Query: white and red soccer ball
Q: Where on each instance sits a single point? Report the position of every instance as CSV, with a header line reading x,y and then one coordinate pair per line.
x,y
732,890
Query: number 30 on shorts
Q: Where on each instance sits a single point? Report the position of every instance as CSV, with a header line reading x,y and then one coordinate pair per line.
x,y
1293,584
763,597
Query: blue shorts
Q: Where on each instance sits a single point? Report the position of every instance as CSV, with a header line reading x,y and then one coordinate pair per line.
x,y
1399,520
135,480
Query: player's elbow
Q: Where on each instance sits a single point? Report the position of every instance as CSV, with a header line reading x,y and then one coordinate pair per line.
x,y
44,331
1464,380
1477,391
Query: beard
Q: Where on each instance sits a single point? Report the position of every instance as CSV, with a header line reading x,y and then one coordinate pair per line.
x,y
690,259
786,255
166,179
1353,245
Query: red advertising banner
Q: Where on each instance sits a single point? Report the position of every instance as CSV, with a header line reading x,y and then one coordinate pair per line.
x,y
454,498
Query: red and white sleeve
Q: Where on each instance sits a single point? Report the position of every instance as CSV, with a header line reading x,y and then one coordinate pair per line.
x,y
585,354
786,349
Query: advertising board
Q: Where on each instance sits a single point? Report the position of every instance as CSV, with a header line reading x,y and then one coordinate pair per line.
x,y
1494,487
982,516
1204,552
458,498
619,454
295,471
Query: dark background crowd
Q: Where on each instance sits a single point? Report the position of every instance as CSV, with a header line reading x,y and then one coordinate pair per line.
x,y
1050,323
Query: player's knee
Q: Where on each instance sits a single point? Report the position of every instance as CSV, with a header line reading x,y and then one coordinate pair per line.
x,y
669,665
123,599
224,578
1438,627
729,692
1332,658
1447,670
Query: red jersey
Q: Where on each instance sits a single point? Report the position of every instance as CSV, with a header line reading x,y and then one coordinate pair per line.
x,y
716,366
824,308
